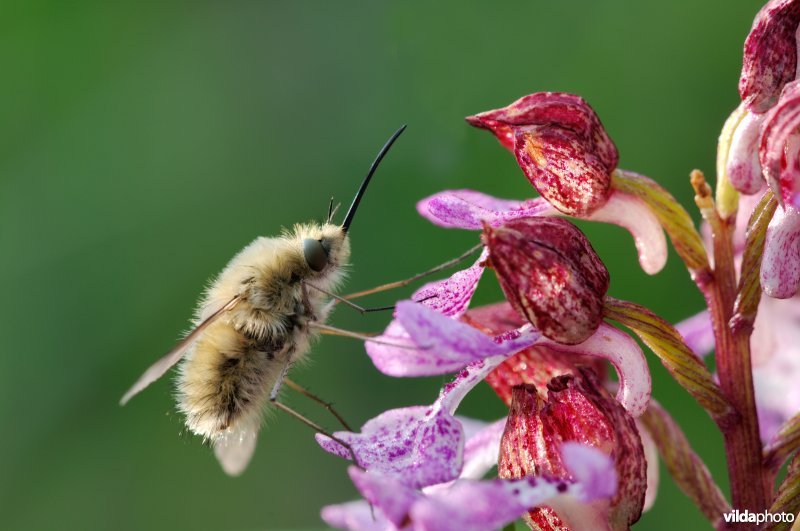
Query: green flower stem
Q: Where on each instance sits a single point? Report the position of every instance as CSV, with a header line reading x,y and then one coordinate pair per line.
x,y
749,487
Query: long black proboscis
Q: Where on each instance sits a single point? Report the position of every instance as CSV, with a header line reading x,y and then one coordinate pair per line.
x,y
348,219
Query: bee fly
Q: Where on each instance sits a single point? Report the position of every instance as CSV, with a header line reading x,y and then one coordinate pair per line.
x,y
252,324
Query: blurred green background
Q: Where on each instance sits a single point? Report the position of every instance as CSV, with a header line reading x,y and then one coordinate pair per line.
x,y
143,144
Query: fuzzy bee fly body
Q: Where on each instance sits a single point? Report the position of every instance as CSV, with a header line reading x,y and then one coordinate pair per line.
x,y
252,324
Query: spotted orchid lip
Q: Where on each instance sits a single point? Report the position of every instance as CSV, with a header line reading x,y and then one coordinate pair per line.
x,y
560,145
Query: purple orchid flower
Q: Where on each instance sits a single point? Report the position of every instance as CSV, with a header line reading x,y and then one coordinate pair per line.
x,y
565,152
469,504
765,145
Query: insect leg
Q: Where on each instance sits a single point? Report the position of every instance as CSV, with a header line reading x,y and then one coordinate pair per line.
x,y
349,303
333,331
316,427
327,405
407,281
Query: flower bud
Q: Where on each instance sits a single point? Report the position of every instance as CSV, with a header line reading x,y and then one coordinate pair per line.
x,y
574,408
770,54
551,275
561,147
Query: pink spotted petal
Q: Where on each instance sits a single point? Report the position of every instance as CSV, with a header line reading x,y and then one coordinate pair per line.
x,y
778,151
626,357
385,492
481,450
420,445
770,54
451,297
698,333
438,344
454,343
356,516
780,265
633,214
470,505
466,209
743,166
479,505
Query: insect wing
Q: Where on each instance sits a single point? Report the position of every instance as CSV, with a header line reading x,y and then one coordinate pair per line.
x,y
157,370
234,448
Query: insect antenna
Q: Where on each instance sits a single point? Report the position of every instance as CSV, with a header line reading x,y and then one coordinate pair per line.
x,y
348,219
332,210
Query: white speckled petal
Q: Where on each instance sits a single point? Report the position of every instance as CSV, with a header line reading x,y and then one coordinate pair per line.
x,y
627,358
744,167
780,265
632,214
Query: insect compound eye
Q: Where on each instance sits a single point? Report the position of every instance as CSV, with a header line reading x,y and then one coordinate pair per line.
x,y
315,253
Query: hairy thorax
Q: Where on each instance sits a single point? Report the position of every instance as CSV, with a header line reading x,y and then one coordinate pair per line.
x,y
229,372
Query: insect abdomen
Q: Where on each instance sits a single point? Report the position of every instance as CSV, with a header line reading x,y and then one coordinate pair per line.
x,y
227,376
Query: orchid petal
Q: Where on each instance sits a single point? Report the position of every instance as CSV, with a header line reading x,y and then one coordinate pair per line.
x,y
454,344
592,469
438,344
551,274
481,450
420,445
770,54
743,166
651,456
560,145
466,209
387,493
627,358
478,505
356,516
778,149
575,408
451,297
633,214
698,333
780,266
